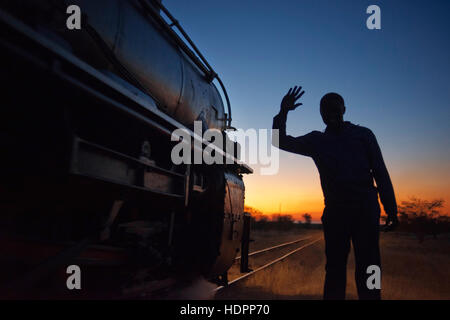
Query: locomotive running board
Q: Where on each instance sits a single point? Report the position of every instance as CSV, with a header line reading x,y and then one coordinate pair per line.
x,y
100,163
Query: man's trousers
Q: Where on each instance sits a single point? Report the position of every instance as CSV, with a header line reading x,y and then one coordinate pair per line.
x,y
358,223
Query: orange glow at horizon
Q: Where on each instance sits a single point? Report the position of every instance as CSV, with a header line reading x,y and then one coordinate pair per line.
x,y
296,189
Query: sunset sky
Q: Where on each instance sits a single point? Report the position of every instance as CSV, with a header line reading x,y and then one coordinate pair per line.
x,y
395,81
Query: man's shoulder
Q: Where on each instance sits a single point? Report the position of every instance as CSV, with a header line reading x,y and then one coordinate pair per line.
x,y
315,134
359,129
312,137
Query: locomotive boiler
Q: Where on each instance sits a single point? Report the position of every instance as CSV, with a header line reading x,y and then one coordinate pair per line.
x,y
86,175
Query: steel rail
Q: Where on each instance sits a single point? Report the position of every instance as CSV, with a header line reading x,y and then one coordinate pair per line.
x,y
274,247
267,265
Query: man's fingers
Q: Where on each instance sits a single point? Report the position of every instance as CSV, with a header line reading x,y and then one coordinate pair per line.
x,y
294,90
299,95
297,104
391,224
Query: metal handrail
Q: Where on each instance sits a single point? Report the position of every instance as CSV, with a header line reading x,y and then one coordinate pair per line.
x,y
199,60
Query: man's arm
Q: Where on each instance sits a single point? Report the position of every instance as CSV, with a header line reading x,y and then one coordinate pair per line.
x,y
381,175
300,145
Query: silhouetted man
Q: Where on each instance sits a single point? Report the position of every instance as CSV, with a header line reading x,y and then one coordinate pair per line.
x,y
348,159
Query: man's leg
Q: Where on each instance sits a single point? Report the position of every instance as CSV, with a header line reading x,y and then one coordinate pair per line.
x,y
365,238
337,247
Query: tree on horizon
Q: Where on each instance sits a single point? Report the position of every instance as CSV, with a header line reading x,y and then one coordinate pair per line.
x,y
307,217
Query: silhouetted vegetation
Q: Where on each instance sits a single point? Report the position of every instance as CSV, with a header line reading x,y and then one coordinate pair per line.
x,y
308,219
275,222
423,217
279,222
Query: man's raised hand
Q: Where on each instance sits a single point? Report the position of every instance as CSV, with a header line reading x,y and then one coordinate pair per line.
x,y
289,100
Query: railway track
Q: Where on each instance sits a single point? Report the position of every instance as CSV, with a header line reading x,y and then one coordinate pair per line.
x,y
268,264
273,247
165,289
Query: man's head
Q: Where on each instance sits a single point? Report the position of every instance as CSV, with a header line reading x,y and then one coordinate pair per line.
x,y
332,109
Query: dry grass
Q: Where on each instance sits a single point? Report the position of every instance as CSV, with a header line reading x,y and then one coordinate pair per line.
x,y
415,271
411,270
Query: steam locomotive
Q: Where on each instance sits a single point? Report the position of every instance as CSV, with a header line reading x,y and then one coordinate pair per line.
x,y
86,176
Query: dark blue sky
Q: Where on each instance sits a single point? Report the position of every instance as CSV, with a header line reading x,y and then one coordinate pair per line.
x,y
395,81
